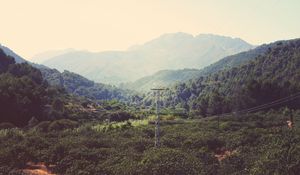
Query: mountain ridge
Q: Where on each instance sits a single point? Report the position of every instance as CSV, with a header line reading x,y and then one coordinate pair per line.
x,y
263,79
169,51
8,51
163,79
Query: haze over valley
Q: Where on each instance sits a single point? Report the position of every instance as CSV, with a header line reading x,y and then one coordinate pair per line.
x,y
169,51
141,87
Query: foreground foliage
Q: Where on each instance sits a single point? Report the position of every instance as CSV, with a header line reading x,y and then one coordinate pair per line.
x,y
258,143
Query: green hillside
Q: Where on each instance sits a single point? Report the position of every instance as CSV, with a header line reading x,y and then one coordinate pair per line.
x,y
164,78
26,98
167,78
268,77
78,85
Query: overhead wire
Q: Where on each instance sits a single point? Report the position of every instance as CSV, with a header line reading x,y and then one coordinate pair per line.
x,y
263,106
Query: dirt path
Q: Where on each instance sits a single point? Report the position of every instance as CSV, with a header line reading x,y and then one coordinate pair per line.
x,y
37,169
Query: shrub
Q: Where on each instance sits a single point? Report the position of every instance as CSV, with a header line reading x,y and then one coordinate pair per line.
x,y
170,161
62,124
120,116
6,125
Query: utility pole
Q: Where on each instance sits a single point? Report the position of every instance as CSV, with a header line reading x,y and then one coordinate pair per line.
x,y
218,122
157,121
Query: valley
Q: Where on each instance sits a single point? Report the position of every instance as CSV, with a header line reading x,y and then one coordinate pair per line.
x,y
239,115
139,87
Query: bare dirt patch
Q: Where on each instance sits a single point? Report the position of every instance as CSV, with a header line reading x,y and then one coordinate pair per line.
x,y
222,154
38,169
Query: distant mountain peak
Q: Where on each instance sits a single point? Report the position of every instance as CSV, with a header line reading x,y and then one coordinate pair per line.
x,y
43,56
168,51
176,35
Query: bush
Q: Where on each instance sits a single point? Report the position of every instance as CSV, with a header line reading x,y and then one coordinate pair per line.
x,y
170,161
15,152
120,116
6,125
62,124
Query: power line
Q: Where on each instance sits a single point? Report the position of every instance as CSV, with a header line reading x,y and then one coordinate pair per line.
x,y
273,103
266,105
270,104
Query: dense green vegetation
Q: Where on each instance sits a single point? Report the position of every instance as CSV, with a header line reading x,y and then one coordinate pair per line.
x,y
259,143
78,85
237,59
266,78
164,78
23,93
25,96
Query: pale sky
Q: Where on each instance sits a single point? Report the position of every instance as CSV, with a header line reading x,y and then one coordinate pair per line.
x,y
32,26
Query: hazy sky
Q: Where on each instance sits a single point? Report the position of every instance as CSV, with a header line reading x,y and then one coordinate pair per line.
x,y
33,26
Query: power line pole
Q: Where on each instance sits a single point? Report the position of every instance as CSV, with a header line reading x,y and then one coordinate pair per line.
x,y
157,122
219,123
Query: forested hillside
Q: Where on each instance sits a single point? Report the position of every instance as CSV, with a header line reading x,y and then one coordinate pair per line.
x,y
237,59
26,98
164,78
167,78
11,53
74,83
81,86
23,93
268,77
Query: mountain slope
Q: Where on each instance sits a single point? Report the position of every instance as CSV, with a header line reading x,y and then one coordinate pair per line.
x,y
29,95
78,85
73,83
170,51
23,93
268,77
18,58
11,53
164,78
238,59
41,57
168,78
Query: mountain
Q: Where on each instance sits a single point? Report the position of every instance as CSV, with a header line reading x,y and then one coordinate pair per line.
x,y
268,77
167,78
71,82
41,57
169,51
19,59
238,59
8,51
